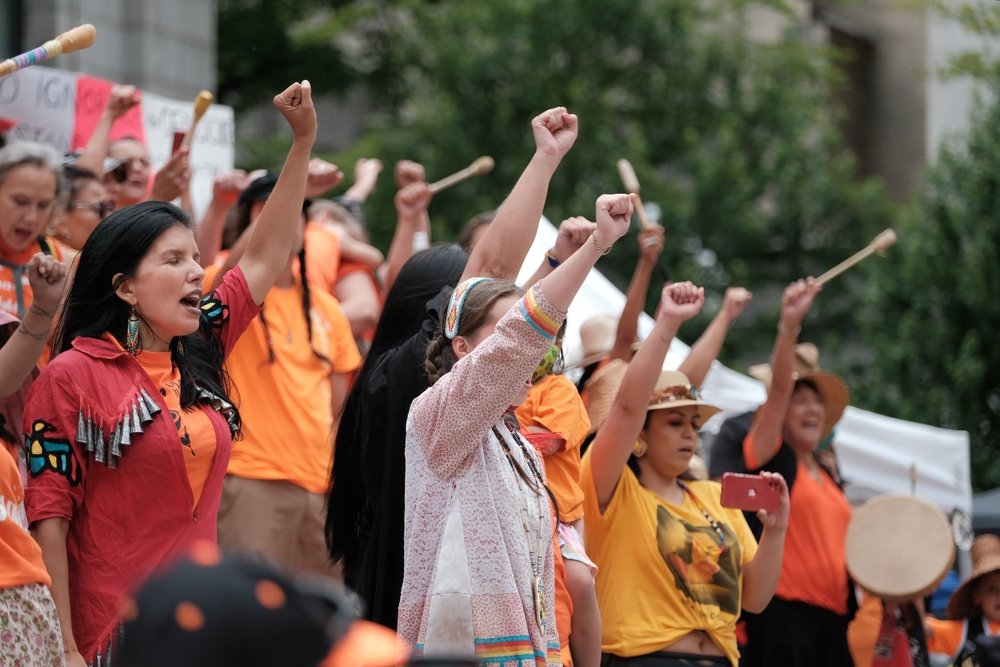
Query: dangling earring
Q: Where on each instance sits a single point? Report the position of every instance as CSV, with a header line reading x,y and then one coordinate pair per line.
x,y
132,333
639,448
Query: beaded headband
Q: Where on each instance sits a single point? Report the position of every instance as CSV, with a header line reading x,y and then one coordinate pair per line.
x,y
677,393
456,304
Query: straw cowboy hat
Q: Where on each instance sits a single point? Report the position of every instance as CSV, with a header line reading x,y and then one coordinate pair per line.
x,y
673,390
830,386
985,559
597,337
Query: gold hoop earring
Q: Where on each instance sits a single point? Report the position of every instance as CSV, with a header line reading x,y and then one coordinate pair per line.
x,y
639,448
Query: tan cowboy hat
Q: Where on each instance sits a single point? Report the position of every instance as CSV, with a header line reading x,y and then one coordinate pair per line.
x,y
985,559
597,337
830,386
672,390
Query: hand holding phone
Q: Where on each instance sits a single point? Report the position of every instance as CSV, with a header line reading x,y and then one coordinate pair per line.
x,y
178,141
750,492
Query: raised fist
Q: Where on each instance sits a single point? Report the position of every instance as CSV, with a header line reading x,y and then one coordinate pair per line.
x,y
47,277
681,301
408,172
614,213
651,243
796,302
122,99
296,105
735,300
228,185
413,200
555,132
573,233
322,176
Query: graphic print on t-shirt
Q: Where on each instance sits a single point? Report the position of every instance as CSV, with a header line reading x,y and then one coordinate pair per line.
x,y
182,431
704,571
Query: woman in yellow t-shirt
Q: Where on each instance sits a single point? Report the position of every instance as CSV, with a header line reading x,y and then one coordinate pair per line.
x,y
675,567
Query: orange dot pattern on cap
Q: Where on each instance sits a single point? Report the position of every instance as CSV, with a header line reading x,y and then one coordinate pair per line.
x,y
127,610
269,594
205,553
189,617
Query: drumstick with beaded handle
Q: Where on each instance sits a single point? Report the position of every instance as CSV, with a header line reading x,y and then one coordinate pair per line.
x,y
631,184
878,246
201,104
482,165
78,38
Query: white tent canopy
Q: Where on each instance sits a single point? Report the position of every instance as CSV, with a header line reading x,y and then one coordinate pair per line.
x,y
877,454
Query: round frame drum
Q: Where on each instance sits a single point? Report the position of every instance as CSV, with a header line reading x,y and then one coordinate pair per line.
x,y
899,547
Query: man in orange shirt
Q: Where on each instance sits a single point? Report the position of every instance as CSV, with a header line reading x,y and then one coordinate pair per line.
x,y
291,370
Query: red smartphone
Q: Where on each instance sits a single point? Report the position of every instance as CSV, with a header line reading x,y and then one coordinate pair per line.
x,y
749,492
178,140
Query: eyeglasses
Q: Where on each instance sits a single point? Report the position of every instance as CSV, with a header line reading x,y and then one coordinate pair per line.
x,y
101,208
120,173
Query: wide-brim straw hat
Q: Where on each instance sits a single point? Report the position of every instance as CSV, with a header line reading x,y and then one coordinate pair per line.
x,y
597,338
672,390
829,385
985,559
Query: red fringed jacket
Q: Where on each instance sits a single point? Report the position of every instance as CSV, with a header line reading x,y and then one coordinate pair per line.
x,y
104,453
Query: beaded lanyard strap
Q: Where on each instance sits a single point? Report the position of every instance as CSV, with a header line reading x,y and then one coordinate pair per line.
x,y
708,517
536,486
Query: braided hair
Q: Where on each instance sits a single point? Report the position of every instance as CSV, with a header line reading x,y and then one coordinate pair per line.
x,y
440,356
306,310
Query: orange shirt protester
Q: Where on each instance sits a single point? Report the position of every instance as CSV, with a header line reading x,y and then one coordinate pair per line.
x,y
806,623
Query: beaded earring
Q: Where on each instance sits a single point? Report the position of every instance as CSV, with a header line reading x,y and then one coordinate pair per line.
x,y
132,333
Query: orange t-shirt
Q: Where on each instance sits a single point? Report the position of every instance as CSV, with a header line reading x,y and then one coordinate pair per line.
x,y
554,404
287,405
14,281
564,603
195,432
946,638
814,567
20,556
322,256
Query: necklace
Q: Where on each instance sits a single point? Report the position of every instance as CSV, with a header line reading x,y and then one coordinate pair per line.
x,y
712,522
530,496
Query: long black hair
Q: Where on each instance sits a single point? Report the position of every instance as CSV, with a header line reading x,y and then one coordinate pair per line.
x,y
423,276
117,246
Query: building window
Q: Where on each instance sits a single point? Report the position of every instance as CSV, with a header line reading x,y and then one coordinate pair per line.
x,y
857,96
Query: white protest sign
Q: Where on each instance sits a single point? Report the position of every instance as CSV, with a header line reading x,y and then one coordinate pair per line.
x,y
212,150
43,101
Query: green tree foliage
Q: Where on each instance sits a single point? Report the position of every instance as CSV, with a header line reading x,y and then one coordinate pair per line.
x,y
734,139
933,313
265,44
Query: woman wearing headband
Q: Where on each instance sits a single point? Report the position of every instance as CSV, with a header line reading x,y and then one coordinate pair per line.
x,y
675,566
366,504
478,561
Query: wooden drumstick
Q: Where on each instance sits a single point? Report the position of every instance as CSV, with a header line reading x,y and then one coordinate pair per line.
x,y
631,183
201,104
878,246
482,165
78,38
